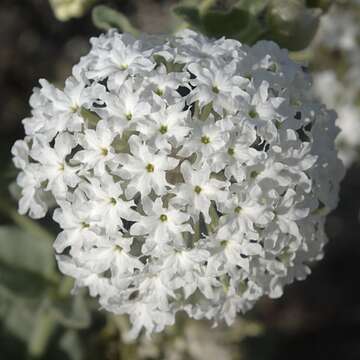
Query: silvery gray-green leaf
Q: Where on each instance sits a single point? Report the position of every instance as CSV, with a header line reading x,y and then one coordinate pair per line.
x,y
71,312
26,263
106,18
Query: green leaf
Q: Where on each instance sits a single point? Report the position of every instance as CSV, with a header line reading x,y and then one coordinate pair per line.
x,y
190,14
214,23
106,18
91,117
27,322
23,282
170,66
31,227
229,24
206,111
240,22
20,318
71,344
71,312
254,7
256,28
252,33
291,23
44,326
21,249
27,265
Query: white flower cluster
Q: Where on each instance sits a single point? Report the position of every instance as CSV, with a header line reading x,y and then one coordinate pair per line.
x,y
190,174
340,95
337,82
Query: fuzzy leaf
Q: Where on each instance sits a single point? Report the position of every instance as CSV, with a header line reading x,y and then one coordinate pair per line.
x,y
20,318
241,22
26,264
71,344
254,7
217,23
106,18
291,23
71,312
190,14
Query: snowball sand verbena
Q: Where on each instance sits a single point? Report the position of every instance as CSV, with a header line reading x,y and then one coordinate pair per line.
x,y
189,174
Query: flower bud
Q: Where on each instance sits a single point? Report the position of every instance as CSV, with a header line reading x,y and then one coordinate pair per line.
x,y
65,10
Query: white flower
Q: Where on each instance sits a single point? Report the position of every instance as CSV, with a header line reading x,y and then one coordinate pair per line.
x,y
160,224
189,174
54,167
77,222
207,138
348,140
247,208
287,214
184,263
232,250
198,190
32,194
98,151
61,110
144,169
217,84
125,108
125,57
107,200
165,127
155,288
97,284
165,85
238,153
338,87
29,179
113,254
145,315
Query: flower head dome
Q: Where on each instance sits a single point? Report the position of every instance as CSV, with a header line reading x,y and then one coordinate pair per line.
x,y
189,174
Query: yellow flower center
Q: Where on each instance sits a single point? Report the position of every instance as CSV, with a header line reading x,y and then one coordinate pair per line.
x,y
237,210
205,140
150,168
163,129
231,151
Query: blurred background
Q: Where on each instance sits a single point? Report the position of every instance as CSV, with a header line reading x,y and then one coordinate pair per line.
x,y
39,318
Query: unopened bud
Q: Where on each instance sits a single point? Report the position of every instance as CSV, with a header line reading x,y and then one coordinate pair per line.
x,y
65,10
